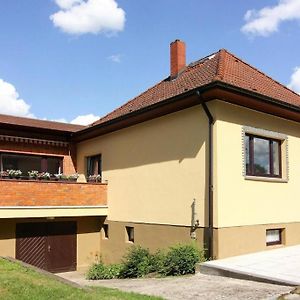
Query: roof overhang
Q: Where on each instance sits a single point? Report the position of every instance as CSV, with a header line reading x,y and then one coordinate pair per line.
x,y
252,100
216,90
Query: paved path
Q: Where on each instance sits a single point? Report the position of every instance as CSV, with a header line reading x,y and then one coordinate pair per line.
x,y
282,265
194,287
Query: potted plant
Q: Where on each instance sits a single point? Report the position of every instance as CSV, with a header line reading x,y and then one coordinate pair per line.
x,y
94,178
14,173
60,177
4,174
73,177
33,174
44,176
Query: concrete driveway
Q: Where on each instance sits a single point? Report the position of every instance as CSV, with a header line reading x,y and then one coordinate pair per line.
x,y
281,266
198,286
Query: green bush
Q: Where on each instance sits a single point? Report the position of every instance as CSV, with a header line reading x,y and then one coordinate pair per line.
x,y
181,260
100,271
137,262
157,260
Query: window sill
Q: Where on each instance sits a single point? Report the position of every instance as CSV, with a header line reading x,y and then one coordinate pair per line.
x,y
266,179
271,247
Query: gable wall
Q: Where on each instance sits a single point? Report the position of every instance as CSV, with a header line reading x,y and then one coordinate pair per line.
x,y
247,202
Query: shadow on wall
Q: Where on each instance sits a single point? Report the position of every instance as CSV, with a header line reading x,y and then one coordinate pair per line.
x,y
7,229
246,117
174,137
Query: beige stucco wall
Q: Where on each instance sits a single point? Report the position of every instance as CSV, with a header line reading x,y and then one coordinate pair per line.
x,y
246,239
7,238
150,236
242,202
154,169
88,241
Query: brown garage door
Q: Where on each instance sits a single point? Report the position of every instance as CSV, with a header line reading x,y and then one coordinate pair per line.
x,y
50,246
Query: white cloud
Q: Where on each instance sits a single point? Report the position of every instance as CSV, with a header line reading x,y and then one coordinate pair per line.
x,y
115,58
60,120
66,4
10,103
295,80
85,119
267,20
89,16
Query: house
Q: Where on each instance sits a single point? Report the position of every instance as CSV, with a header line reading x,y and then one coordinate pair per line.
x,y
211,154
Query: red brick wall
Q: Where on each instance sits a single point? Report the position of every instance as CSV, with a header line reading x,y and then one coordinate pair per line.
x,y
67,153
43,193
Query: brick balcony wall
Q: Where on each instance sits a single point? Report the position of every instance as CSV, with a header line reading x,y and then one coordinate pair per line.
x,y
51,193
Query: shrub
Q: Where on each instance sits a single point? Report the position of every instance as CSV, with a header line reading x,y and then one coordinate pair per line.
x,y
138,262
157,260
100,271
181,260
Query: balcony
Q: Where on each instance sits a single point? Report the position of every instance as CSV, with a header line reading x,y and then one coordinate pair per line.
x,y
38,198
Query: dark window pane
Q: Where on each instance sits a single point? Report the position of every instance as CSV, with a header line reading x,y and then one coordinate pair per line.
x,y
53,165
261,156
21,162
94,165
276,158
130,234
27,163
247,153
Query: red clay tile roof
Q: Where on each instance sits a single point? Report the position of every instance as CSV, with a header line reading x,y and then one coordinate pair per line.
x,y
39,124
221,66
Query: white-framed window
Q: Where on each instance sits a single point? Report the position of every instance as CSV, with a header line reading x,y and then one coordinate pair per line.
x,y
274,236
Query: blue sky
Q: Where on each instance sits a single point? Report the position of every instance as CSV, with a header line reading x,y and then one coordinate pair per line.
x,y
60,59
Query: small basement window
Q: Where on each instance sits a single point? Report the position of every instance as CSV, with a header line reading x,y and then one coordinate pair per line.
x,y
130,234
105,231
274,237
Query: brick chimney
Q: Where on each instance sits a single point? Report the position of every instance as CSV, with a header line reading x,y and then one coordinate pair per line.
x,y
177,55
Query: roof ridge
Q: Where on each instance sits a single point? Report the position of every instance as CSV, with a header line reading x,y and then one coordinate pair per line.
x,y
221,65
259,71
203,59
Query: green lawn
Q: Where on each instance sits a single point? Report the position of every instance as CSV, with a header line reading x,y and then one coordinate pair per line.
x,y
18,283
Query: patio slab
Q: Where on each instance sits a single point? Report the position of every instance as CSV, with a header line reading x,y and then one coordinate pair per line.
x,y
279,266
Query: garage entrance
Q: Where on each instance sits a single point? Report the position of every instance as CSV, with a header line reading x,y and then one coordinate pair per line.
x,y
48,245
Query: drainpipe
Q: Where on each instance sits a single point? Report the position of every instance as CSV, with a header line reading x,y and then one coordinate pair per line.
x,y
210,177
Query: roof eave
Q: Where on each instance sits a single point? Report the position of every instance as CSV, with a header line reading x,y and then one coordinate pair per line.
x,y
254,94
214,90
34,132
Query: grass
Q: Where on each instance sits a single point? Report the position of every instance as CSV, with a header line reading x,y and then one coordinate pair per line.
x,y
21,283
